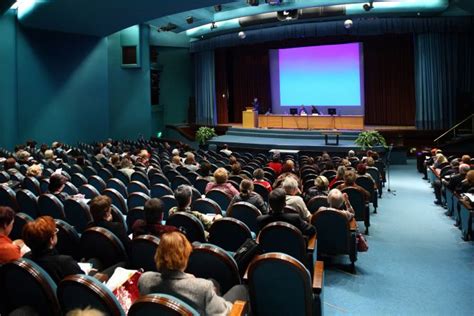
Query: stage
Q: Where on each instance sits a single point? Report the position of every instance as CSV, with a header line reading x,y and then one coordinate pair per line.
x,y
295,139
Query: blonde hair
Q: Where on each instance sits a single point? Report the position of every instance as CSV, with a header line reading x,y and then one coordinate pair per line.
x,y
88,311
49,154
173,252
34,171
220,175
321,182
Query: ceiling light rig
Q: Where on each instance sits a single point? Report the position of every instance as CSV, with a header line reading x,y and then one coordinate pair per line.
x,y
213,26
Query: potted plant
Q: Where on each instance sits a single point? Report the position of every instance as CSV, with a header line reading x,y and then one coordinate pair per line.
x,y
369,139
203,134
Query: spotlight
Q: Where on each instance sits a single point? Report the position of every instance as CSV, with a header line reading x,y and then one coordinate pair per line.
x,y
218,8
253,3
190,20
348,24
368,6
213,25
242,35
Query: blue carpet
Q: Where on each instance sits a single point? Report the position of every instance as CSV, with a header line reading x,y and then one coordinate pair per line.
x,y
417,263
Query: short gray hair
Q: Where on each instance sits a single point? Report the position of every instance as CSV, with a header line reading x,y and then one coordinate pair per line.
x,y
335,198
289,185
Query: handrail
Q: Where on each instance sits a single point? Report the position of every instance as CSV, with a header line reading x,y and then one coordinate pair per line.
x,y
454,127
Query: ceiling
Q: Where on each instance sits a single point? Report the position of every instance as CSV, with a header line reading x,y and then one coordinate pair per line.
x,y
104,17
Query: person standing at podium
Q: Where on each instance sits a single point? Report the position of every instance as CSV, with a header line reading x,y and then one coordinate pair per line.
x,y
255,104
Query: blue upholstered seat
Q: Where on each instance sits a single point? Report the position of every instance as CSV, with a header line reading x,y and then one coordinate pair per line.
x,y
161,304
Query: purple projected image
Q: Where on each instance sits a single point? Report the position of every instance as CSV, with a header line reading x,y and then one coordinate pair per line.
x,y
328,75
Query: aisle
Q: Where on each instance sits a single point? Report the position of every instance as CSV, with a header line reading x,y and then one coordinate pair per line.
x,y
417,263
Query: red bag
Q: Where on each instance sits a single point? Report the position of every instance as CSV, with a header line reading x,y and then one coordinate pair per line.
x,y
362,245
128,292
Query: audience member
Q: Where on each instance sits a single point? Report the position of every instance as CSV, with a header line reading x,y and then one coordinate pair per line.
x,y
152,224
277,201
171,260
35,171
101,211
225,150
292,199
9,250
258,176
341,170
190,162
248,195
320,187
275,164
468,184
56,185
183,195
349,182
221,176
126,167
336,201
204,171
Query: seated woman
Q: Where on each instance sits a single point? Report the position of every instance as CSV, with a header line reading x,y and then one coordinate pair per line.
x,y
221,176
190,162
321,184
9,250
258,176
275,164
290,185
152,223
41,237
56,186
127,167
349,182
204,171
101,211
341,170
183,195
171,260
35,171
248,195
337,200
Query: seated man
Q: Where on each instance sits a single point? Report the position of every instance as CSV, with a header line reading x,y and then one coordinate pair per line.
x,y
277,201
290,185
336,200
152,223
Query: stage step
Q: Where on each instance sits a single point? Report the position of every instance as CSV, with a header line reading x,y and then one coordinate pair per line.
x,y
289,133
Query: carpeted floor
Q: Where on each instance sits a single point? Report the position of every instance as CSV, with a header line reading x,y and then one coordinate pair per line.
x,y
417,263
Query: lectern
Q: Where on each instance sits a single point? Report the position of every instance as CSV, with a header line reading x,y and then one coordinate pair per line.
x,y
249,118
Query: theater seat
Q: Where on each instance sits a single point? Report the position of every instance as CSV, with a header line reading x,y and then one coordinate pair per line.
x,y
161,304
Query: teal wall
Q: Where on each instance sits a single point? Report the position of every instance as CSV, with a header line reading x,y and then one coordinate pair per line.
x,y
129,91
54,86
8,117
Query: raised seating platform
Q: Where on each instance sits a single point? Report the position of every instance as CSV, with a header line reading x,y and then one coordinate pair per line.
x,y
308,140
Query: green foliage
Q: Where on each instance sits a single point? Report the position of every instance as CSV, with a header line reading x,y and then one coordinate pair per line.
x,y
368,139
204,133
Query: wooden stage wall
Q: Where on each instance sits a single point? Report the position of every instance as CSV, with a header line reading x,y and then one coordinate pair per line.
x,y
350,122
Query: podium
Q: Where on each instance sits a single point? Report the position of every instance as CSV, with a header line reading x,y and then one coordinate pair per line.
x,y
249,118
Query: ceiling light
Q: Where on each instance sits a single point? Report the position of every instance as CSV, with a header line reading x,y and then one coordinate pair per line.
x,y
368,6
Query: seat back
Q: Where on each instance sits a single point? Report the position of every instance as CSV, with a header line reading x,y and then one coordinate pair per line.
x,y
137,199
133,215
70,188
117,199
88,191
366,183
78,179
357,201
260,189
191,224
159,178
105,174
219,197
334,234
142,252
316,202
206,206
169,201
122,176
68,240
50,205
179,180
245,212
191,176
161,304
27,202
283,237
375,174
4,176
89,171
80,291
20,221
280,285
211,262
8,197
159,189
140,177
98,183
100,243
229,233
117,184
137,186
24,283
32,184
77,214
200,185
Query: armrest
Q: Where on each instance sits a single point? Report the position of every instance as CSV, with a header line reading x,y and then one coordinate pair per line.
x,y
353,224
318,277
311,243
239,308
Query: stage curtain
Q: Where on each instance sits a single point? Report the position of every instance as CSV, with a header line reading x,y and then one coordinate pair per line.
x,y
389,85
222,86
444,71
204,85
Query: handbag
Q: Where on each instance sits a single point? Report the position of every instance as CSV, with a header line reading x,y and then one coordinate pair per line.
x,y
246,253
362,245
